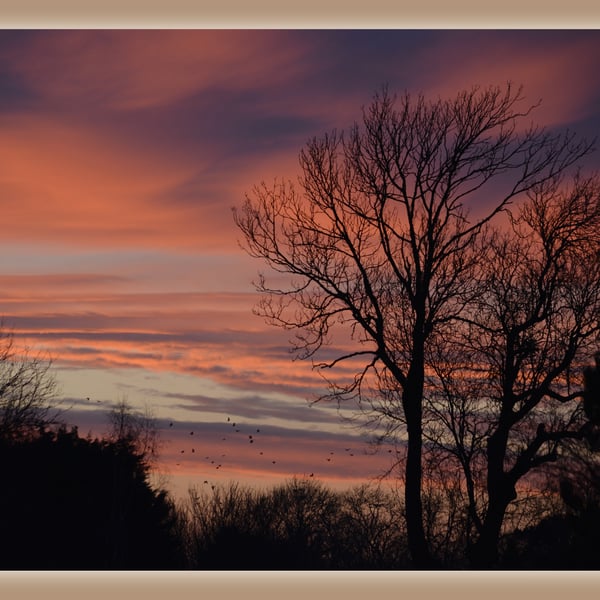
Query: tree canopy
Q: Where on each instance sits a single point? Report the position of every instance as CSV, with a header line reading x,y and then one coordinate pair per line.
x,y
389,238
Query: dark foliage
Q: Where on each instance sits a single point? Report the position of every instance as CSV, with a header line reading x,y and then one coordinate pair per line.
x,y
68,502
564,542
591,395
300,525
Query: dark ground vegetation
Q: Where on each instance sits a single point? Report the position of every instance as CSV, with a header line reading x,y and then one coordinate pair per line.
x,y
68,502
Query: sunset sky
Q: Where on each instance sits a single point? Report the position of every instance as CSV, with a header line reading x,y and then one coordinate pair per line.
x,y
121,156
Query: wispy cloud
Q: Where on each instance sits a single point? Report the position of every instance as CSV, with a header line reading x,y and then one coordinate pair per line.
x,y
553,67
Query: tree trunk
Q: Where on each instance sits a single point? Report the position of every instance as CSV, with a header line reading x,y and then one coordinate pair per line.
x,y
412,400
417,543
501,492
484,553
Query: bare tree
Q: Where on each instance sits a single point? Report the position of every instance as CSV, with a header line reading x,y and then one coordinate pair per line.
x,y
591,395
28,390
377,241
513,391
135,429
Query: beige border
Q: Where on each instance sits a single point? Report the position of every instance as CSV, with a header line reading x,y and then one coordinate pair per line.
x,y
576,14
299,585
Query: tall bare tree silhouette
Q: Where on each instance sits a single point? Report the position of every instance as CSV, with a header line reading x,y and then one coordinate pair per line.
x,y
512,390
379,245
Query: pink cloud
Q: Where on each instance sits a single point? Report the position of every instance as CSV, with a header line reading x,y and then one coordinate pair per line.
x,y
562,75
104,321
140,69
83,186
66,183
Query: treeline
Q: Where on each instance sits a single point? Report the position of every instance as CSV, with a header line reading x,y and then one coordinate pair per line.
x,y
72,502
300,524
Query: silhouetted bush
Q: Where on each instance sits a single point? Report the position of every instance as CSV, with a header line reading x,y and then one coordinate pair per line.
x,y
68,502
557,542
298,525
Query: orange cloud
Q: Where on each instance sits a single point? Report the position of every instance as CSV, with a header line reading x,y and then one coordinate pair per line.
x,y
103,321
561,73
76,185
64,183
